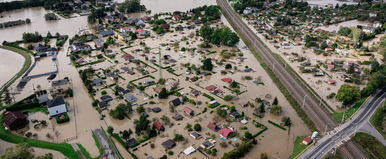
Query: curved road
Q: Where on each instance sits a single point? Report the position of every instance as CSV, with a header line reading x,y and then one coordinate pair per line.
x,y
316,113
341,134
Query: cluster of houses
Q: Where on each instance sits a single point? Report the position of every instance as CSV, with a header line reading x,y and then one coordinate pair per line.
x,y
44,50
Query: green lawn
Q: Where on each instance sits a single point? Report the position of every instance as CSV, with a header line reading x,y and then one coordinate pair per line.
x,y
371,146
298,146
378,119
349,112
64,148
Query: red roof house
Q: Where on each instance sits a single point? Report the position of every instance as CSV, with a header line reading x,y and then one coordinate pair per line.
x,y
188,111
210,87
176,17
307,140
331,82
228,80
158,126
128,57
225,132
213,126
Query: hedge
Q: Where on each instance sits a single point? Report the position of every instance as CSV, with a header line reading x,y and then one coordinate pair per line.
x,y
277,125
21,107
208,96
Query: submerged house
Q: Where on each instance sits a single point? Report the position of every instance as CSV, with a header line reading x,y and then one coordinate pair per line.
x,y
14,120
56,106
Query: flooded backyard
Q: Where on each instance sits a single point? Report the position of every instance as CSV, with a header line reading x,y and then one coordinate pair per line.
x,y
335,27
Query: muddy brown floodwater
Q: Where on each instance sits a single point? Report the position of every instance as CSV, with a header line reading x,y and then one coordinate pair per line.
x,y
10,64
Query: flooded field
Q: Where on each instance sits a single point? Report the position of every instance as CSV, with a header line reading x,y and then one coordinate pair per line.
x,y
158,6
335,27
322,3
10,64
37,151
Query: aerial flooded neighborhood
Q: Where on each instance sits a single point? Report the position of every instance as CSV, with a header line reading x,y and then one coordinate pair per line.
x,y
192,79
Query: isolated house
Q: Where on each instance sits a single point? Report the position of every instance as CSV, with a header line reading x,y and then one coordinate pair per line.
x,y
130,98
112,76
207,145
128,57
60,86
188,111
175,102
176,17
307,140
106,33
156,109
106,98
211,87
168,144
225,132
98,43
158,126
213,126
56,106
235,114
227,80
77,47
195,135
97,82
178,117
103,105
14,120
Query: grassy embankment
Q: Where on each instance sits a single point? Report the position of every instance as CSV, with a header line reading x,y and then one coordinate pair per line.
x,y
378,119
371,146
338,116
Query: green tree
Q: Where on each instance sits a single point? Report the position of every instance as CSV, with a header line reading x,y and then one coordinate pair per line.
x,y
262,108
20,151
197,127
275,101
206,32
348,94
248,135
207,64
221,112
46,156
163,94
263,155
345,31
228,97
140,109
286,121
178,137
228,66
276,109
110,130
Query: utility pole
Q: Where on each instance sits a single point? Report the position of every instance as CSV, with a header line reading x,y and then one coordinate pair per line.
x,y
159,62
304,100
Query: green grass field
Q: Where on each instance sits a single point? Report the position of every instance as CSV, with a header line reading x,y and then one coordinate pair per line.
x,y
298,147
378,119
349,112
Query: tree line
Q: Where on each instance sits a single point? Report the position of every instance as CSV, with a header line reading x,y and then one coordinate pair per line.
x,y
219,36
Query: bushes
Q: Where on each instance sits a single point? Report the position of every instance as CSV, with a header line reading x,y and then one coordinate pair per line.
x,y
208,96
240,151
62,118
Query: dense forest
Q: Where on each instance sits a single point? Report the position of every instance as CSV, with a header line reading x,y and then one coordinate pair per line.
x,y
48,4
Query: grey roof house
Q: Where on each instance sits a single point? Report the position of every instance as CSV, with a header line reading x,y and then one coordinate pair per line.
x,y
56,106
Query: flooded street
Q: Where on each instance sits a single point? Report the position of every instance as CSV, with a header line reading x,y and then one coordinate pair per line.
x,y
10,64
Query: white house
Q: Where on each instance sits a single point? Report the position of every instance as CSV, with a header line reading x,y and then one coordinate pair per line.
x,y
56,106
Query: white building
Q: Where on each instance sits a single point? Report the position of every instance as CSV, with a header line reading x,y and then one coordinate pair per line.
x,y
56,106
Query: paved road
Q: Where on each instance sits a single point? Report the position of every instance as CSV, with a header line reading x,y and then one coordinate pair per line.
x,y
316,113
341,134
108,152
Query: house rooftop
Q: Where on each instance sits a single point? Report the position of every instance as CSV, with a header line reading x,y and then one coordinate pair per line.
x,y
55,102
168,144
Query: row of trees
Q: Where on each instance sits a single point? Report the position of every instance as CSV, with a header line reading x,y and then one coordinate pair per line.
x,y
219,36
242,4
48,4
131,6
32,37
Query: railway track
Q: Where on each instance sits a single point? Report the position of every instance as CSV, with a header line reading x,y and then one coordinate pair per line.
x,y
310,105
